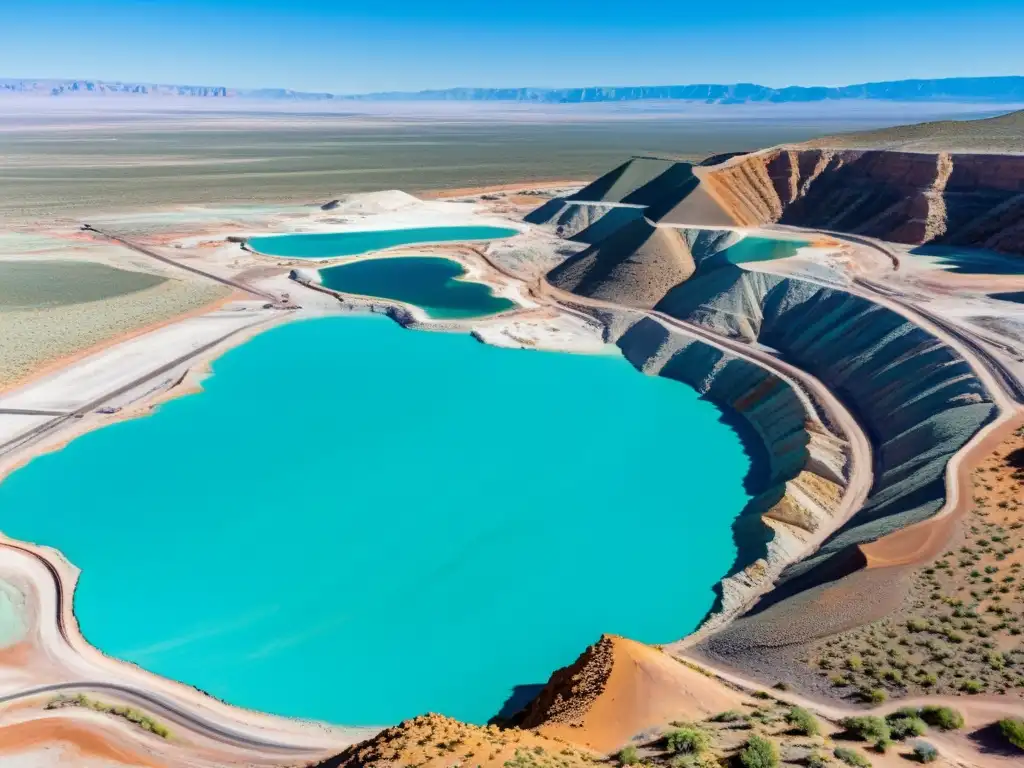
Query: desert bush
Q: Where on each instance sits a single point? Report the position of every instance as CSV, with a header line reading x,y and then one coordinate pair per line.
x,y
687,740
873,695
867,727
729,716
1013,731
943,718
816,760
905,727
803,721
972,686
759,752
852,757
925,752
628,756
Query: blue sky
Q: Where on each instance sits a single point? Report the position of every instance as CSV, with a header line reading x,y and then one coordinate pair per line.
x,y
346,47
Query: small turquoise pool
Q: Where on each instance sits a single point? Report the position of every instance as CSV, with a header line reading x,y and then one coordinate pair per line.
x,y
751,249
430,283
330,245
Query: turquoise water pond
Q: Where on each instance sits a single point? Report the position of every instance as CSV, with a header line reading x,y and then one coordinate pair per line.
x,y
334,244
427,282
359,523
751,249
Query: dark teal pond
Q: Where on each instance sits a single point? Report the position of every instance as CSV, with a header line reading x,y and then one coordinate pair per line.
x,y
328,245
969,261
1017,297
427,282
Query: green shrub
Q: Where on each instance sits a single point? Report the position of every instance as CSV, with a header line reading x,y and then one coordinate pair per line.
x,y
943,718
906,727
816,760
882,746
729,716
1013,731
628,756
925,752
873,695
687,740
867,728
761,695
803,722
759,753
852,757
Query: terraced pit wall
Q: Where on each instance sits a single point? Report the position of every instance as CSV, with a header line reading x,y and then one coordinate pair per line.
x,y
918,400
799,466
954,199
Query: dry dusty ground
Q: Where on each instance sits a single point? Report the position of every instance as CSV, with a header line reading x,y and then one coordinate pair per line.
x,y
960,627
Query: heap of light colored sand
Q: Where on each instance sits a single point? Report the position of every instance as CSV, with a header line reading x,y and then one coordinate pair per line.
x,y
385,201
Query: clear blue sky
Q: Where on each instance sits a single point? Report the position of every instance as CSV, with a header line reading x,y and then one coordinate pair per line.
x,y
347,46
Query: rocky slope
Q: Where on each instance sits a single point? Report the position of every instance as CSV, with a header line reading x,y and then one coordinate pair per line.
x,y
918,400
582,222
618,688
799,466
436,741
638,263
954,199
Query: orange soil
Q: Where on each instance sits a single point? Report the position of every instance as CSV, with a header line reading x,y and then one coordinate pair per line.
x,y
436,741
620,687
85,741
922,542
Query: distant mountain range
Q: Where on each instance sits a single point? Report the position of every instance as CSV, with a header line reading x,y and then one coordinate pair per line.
x,y
993,90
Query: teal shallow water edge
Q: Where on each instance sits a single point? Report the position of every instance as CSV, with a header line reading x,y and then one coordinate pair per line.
x,y
429,283
358,523
327,245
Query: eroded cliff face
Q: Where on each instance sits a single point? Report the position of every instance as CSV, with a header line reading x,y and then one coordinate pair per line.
x,y
943,198
917,399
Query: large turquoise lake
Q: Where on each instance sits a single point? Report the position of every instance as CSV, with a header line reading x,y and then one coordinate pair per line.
x,y
430,283
359,523
329,245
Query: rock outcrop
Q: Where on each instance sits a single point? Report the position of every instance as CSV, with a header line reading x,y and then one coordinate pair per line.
x,y
618,688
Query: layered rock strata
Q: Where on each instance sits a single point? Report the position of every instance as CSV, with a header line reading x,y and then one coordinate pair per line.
x,y
918,400
799,466
968,200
